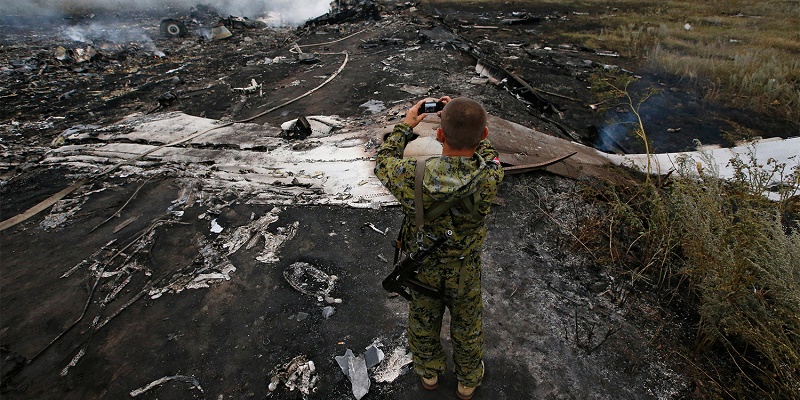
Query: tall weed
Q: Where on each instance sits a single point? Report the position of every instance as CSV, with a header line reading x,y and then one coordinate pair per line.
x,y
732,252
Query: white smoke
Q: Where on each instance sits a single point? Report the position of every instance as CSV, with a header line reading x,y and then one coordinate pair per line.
x,y
292,11
97,33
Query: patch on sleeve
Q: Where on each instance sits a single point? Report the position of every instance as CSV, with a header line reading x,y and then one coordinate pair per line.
x,y
496,161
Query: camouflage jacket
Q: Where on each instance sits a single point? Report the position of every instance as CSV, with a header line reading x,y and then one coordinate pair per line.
x,y
447,179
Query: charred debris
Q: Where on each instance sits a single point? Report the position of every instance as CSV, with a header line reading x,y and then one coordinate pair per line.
x,y
97,69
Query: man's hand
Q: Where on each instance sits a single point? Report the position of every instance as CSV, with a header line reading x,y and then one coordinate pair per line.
x,y
413,119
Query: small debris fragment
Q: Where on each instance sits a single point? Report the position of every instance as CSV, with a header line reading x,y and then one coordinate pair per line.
x,y
220,32
373,356
203,280
393,367
605,53
274,241
253,88
328,311
374,106
375,228
479,81
84,55
181,378
215,227
301,316
61,53
74,361
309,280
62,211
355,368
343,361
297,374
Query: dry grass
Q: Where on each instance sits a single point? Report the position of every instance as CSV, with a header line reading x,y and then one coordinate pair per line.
x,y
747,53
733,253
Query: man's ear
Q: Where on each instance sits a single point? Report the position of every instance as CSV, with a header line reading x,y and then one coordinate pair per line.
x,y
440,135
485,133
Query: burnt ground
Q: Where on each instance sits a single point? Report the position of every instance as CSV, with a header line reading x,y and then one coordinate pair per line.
x,y
556,326
541,300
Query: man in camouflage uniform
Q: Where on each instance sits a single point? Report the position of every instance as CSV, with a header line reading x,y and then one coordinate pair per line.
x,y
458,188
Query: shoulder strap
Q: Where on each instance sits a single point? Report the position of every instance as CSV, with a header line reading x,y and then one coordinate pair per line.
x,y
469,202
419,177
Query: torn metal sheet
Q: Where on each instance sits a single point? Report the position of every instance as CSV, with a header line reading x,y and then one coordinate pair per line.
x,y
355,368
357,372
252,160
343,361
423,146
374,106
180,378
373,355
717,160
220,32
494,74
415,90
520,145
258,165
75,133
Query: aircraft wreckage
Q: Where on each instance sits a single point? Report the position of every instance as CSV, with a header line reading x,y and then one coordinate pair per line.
x,y
209,229
334,163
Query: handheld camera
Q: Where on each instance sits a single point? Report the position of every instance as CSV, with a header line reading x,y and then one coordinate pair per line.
x,y
430,107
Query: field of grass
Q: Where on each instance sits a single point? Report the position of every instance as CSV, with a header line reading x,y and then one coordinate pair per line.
x,y
745,53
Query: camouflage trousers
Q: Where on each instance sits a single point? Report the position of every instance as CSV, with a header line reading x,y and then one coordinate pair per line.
x,y
460,281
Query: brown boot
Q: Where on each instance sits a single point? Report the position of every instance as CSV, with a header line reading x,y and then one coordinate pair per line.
x,y
465,392
430,383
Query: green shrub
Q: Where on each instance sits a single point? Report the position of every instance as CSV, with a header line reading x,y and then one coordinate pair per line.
x,y
734,254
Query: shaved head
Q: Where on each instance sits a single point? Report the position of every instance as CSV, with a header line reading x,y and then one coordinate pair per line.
x,y
463,123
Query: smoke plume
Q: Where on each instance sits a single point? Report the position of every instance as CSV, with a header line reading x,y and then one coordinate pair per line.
x,y
292,11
